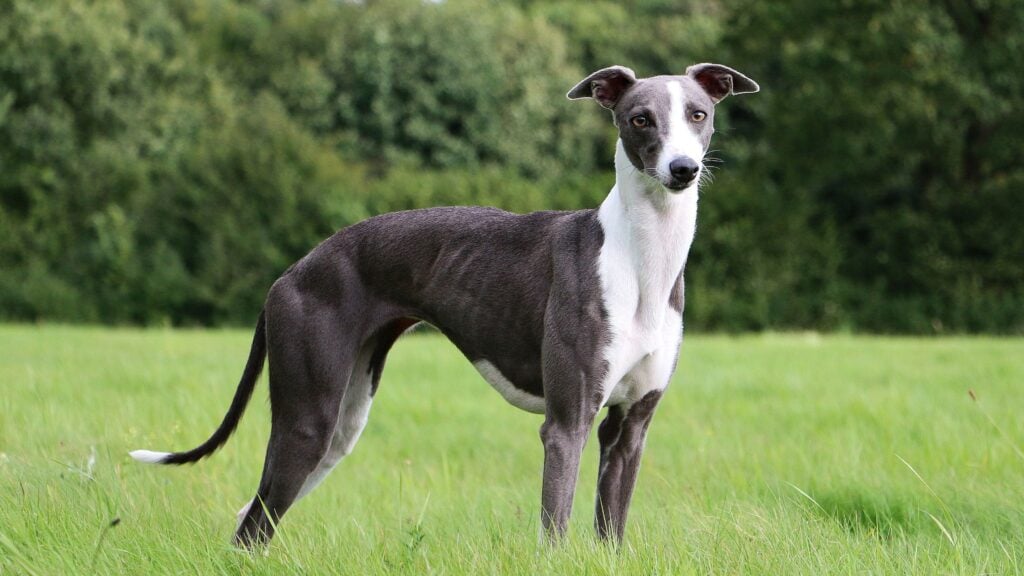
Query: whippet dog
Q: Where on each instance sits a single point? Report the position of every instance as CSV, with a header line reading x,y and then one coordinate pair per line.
x,y
562,312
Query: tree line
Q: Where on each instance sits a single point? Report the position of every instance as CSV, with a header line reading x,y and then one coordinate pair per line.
x,y
165,162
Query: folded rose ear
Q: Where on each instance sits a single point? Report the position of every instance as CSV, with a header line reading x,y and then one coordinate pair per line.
x,y
606,85
720,81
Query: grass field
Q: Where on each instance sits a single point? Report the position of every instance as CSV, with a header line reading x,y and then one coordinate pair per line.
x,y
777,454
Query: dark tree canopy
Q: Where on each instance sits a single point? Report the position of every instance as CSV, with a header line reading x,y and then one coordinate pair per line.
x,y
164,162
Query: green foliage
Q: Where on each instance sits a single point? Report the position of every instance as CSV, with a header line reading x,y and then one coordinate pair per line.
x,y
456,85
165,162
895,129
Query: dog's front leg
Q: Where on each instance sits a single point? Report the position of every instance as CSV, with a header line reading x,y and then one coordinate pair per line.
x,y
563,446
622,435
571,405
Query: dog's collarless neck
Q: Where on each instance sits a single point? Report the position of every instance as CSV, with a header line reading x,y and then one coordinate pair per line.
x,y
641,214
647,236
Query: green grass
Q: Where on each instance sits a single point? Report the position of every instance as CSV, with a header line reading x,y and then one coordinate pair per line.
x,y
778,454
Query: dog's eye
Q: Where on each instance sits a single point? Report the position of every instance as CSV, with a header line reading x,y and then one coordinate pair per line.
x,y
640,121
698,115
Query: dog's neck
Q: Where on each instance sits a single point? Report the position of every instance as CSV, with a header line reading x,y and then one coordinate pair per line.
x,y
648,231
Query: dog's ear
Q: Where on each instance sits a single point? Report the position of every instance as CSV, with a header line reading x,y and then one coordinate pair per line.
x,y
720,81
606,85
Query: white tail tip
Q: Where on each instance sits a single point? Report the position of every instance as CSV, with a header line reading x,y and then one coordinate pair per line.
x,y
149,457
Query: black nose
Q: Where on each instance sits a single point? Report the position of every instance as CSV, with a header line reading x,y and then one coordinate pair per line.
x,y
683,168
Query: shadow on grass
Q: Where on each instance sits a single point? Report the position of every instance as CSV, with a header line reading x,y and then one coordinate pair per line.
x,y
883,515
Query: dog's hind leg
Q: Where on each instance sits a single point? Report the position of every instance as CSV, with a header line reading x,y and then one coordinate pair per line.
x,y
355,410
355,407
311,360
313,453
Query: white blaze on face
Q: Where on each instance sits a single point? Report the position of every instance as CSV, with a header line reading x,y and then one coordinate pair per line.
x,y
681,140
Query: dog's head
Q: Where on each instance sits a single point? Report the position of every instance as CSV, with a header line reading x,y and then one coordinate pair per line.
x,y
665,122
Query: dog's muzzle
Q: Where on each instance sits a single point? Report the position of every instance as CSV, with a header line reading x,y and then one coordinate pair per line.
x,y
683,171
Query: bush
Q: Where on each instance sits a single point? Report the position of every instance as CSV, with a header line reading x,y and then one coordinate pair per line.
x,y
165,162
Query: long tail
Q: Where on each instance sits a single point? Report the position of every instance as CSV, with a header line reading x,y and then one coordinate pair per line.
x,y
253,367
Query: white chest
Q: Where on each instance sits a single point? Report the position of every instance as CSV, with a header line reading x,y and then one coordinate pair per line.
x,y
643,256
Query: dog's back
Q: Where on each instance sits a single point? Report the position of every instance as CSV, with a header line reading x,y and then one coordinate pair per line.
x,y
463,270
